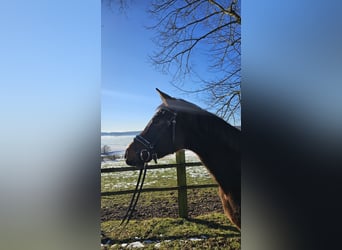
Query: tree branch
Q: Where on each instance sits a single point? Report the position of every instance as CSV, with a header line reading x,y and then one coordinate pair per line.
x,y
229,11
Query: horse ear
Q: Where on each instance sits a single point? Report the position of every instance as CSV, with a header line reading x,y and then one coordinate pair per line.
x,y
164,97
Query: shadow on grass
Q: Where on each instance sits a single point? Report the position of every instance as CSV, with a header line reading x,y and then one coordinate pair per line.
x,y
214,225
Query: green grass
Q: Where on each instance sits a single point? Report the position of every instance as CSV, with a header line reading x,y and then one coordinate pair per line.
x,y
212,231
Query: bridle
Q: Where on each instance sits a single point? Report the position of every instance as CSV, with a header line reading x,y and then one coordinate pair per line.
x,y
148,152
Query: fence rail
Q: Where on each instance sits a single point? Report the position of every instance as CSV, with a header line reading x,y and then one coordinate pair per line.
x,y
122,169
144,190
182,187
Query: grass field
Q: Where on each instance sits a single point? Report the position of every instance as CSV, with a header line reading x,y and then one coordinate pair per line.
x,y
210,231
155,224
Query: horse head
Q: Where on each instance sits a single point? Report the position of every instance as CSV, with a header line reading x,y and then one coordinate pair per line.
x,y
158,139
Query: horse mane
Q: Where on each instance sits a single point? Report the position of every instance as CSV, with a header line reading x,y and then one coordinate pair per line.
x,y
210,123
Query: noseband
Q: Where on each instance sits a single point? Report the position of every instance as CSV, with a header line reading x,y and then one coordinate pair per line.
x,y
149,153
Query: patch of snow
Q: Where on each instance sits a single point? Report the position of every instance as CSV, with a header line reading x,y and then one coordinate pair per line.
x,y
136,244
195,239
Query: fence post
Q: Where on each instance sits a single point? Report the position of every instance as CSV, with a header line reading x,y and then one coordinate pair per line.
x,y
181,183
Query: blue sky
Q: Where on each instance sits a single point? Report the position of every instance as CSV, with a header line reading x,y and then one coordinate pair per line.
x,y
129,79
48,63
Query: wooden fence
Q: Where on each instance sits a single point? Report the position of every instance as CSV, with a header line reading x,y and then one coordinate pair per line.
x,y
181,187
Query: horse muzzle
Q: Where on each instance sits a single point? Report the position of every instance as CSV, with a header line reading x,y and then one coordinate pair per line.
x,y
139,158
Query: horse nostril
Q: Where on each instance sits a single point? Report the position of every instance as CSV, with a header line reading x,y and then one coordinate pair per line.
x,y
126,153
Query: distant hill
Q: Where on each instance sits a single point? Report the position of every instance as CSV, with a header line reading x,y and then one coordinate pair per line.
x,y
120,133
132,132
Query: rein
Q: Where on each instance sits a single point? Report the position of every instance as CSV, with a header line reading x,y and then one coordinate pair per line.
x,y
134,199
146,154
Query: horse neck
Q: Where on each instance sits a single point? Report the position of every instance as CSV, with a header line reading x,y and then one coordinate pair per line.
x,y
218,147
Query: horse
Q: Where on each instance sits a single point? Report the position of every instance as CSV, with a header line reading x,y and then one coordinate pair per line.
x,y
179,124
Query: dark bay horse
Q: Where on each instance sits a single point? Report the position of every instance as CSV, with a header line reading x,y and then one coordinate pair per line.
x,y
179,124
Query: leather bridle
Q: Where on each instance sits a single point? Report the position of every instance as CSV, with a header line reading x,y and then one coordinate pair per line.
x,y
148,152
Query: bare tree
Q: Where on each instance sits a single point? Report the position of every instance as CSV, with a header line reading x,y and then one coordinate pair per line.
x,y
105,149
189,29
205,34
